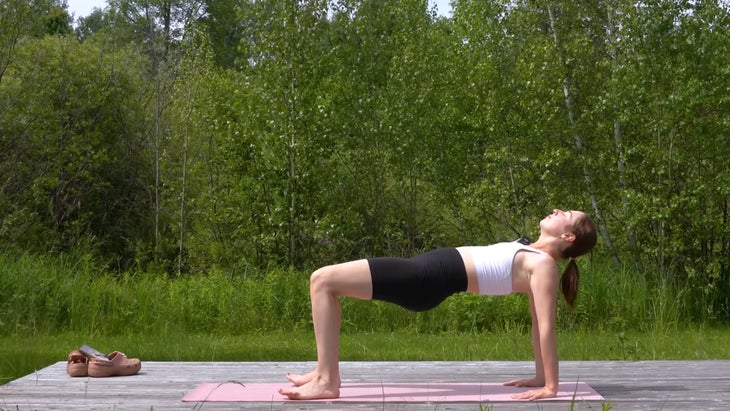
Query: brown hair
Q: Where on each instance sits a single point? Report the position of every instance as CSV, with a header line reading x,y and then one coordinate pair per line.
x,y
585,238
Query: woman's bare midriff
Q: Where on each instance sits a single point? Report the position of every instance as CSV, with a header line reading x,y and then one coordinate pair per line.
x,y
472,285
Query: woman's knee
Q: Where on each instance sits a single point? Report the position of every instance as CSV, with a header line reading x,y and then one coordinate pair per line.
x,y
322,278
348,279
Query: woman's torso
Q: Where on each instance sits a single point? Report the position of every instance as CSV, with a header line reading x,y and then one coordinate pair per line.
x,y
498,269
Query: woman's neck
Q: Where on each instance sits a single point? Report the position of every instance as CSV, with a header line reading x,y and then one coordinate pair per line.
x,y
548,246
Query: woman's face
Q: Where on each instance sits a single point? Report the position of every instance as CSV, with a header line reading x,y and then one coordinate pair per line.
x,y
559,222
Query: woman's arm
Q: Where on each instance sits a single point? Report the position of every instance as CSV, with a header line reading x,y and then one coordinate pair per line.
x,y
543,305
536,349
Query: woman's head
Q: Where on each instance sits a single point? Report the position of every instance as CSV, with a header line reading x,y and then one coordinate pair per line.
x,y
574,230
578,235
585,237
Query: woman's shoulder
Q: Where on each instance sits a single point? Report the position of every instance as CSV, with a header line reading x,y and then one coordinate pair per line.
x,y
533,260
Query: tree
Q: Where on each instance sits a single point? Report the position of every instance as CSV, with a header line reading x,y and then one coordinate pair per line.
x,y
34,18
675,113
13,14
73,144
157,27
565,56
226,27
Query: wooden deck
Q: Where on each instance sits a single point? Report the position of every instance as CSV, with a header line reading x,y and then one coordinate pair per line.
x,y
643,385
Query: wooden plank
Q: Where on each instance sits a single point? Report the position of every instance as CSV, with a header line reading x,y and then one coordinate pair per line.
x,y
642,385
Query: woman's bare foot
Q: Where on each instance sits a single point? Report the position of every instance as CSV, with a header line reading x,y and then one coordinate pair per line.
x,y
315,389
300,379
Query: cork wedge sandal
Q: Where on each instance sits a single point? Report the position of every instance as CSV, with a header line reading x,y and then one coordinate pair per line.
x,y
117,365
77,365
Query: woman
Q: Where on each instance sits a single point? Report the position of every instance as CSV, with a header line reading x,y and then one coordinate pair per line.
x,y
424,281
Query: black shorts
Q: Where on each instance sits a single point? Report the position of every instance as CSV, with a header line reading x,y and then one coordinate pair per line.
x,y
419,283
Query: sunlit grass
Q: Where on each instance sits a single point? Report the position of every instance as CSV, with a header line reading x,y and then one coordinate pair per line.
x,y
51,305
22,354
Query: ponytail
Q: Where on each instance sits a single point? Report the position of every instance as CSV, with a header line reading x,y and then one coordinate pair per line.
x,y
569,282
585,238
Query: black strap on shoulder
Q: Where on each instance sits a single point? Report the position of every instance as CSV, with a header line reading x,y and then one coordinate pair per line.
x,y
525,240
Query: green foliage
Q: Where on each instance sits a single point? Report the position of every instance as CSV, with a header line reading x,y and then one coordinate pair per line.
x,y
238,136
57,22
72,148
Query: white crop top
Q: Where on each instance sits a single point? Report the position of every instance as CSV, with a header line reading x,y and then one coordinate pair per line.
x,y
493,264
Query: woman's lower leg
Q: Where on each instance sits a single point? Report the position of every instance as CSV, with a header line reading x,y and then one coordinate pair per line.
x,y
326,287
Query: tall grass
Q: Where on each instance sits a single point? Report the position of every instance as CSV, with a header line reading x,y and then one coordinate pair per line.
x,y
50,305
41,294
46,294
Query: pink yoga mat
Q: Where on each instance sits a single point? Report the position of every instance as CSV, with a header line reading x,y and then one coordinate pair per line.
x,y
388,392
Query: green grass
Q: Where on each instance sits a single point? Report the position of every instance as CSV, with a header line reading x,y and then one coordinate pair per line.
x,y
53,295
22,354
50,305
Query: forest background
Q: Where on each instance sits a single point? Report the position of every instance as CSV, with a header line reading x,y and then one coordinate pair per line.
x,y
183,165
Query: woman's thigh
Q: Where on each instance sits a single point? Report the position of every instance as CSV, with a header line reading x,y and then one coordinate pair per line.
x,y
421,282
350,279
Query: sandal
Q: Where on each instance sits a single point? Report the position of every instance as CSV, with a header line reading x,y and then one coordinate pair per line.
x,y
118,365
77,365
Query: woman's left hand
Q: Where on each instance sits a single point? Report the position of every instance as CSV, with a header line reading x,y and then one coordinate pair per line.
x,y
535,394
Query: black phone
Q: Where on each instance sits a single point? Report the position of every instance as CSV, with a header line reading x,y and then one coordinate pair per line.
x,y
93,353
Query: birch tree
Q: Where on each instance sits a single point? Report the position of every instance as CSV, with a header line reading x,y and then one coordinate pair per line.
x,y
568,81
